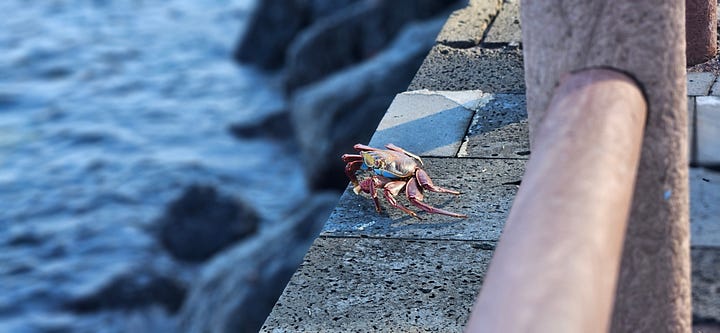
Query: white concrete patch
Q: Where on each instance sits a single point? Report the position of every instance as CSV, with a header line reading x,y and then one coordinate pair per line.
x,y
707,130
704,207
429,123
470,99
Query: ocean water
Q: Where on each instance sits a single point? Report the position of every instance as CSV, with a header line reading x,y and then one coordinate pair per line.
x,y
108,110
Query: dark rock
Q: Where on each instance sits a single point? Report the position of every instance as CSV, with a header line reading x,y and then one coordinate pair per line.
x,y
275,23
333,43
351,35
276,126
271,28
323,8
131,290
201,222
332,115
239,287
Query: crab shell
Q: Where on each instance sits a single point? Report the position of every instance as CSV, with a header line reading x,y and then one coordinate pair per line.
x,y
390,164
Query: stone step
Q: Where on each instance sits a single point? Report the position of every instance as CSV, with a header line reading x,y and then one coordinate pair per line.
x,y
488,187
365,284
467,123
490,70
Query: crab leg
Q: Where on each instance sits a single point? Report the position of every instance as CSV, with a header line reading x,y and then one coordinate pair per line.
x,y
414,194
362,147
351,157
368,186
426,183
393,188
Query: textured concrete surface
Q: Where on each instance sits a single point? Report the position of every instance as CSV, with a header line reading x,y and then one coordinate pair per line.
x,y
488,188
465,27
428,123
505,30
490,70
705,207
706,285
707,130
371,285
698,84
499,129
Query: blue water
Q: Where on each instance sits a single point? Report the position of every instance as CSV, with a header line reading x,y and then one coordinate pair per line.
x,y
108,110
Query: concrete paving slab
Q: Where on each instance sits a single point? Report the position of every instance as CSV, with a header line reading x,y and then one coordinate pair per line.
x,y
372,285
505,29
706,284
707,130
499,129
715,89
488,186
705,207
428,123
699,83
466,27
498,71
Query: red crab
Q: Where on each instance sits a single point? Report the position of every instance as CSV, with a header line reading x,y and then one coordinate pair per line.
x,y
393,170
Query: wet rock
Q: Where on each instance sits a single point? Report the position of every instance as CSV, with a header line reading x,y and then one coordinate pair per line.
x,y
202,222
239,287
275,23
276,126
334,43
129,290
341,110
271,28
351,35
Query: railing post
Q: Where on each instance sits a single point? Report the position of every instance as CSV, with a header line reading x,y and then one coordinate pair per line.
x,y
701,30
645,39
556,266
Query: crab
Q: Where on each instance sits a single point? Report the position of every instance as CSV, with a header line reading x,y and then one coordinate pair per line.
x,y
393,170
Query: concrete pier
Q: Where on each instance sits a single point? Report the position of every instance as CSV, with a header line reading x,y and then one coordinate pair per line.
x,y
465,115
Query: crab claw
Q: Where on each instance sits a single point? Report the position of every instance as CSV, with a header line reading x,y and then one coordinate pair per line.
x,y
354,163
